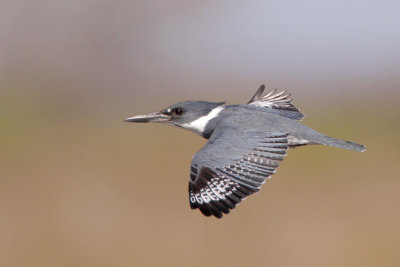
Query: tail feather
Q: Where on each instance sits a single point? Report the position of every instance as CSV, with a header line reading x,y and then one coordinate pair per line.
x,y
347,145
329,141
314,137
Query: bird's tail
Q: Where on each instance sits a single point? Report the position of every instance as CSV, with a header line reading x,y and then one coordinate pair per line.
x,y
315,137
344,144
329,141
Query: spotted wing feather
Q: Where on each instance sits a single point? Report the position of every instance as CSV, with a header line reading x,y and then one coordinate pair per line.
x,y
215,190
280,102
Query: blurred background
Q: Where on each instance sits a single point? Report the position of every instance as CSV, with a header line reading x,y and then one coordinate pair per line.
x,y
78,187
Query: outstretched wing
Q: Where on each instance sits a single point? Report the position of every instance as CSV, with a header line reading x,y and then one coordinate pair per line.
x,y
232,166
280,102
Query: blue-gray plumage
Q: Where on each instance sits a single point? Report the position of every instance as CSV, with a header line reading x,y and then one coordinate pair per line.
x,y
244,148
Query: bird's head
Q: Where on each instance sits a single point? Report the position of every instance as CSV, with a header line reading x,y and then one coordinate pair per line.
x,y
192,115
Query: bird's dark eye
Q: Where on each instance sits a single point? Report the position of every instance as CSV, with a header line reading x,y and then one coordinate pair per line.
x,y
178,111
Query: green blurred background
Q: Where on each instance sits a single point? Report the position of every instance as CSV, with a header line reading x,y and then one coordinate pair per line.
x,y
80,188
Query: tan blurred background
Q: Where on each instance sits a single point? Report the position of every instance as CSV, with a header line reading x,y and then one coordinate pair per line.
x,y
80,188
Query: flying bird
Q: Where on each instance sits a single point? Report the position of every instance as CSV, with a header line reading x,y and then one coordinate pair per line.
x,y
245,145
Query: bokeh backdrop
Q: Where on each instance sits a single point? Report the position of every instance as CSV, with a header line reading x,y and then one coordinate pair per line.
x,y
78,187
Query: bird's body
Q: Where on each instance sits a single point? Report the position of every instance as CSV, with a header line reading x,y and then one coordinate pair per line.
x,y
253,117
244,148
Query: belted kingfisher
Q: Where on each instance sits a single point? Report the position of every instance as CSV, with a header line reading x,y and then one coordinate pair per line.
x,y
245,145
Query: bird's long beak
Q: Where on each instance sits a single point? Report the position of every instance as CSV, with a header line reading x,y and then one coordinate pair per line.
x,y
151,117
